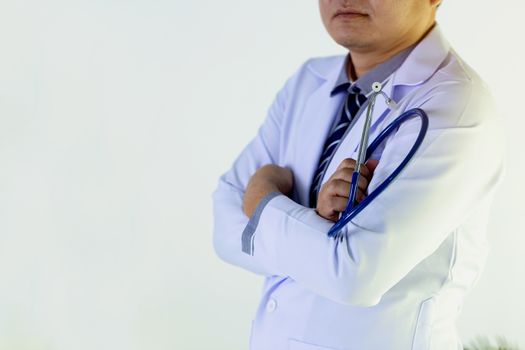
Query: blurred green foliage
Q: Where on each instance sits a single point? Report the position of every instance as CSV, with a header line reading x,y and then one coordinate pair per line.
x,y
484,343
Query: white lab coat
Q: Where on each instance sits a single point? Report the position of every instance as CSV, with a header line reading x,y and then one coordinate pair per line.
x,y
398,280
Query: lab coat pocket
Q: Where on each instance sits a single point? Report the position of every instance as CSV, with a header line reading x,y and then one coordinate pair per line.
x,y
294,344
424,323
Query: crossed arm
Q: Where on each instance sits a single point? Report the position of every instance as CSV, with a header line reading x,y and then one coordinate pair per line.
x,y
290,239
333,196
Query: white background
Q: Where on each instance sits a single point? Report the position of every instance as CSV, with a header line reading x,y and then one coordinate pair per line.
x,y
116,119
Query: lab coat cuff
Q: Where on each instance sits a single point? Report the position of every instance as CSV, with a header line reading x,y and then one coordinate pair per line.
x,y
287,233
251,226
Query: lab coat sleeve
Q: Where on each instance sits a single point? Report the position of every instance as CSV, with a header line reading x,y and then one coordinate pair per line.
x,y
458,166
229,219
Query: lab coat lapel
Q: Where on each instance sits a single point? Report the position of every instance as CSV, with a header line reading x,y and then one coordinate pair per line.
x,y
424,59
310,135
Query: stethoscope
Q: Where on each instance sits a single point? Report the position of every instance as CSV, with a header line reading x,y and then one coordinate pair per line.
x,y
352,209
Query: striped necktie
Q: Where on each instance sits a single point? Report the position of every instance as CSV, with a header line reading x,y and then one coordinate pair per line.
x,y
353,102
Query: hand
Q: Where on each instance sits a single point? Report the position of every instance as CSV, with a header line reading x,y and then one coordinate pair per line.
x,y
267,179
334,193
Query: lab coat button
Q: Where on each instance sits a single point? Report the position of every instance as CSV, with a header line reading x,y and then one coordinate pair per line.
x,y
271,305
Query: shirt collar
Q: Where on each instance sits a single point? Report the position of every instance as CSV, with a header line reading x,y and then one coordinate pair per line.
x,y
379,73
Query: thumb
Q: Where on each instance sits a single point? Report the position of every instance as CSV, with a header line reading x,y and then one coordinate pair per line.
x,y
371,164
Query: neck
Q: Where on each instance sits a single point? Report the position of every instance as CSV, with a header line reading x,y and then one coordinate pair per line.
x,y
363,61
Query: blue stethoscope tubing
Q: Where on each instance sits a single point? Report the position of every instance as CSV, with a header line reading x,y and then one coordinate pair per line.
x,y
351,209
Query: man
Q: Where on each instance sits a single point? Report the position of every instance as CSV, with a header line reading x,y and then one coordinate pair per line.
x,y
397,278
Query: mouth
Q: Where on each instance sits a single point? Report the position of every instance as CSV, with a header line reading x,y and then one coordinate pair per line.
x,y
348,14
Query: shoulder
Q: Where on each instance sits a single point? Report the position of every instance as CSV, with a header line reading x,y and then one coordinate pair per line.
x,y
460,107
310,75
317,69
436,77
455,72
323,66
457,91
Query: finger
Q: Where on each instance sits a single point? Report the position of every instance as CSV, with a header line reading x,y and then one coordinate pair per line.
x,y
371,165
346,176
341,188
350,169
342,174
360,196
329,207
337,204
363,170
347,163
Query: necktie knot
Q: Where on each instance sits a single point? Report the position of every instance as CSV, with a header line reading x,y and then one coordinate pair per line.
x,y
354,101
354,89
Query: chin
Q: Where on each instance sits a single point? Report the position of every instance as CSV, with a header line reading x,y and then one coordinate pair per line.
x,y
352,43
349,37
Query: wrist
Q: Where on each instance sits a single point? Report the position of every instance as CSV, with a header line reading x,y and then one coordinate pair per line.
x,y
280,179
255,192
